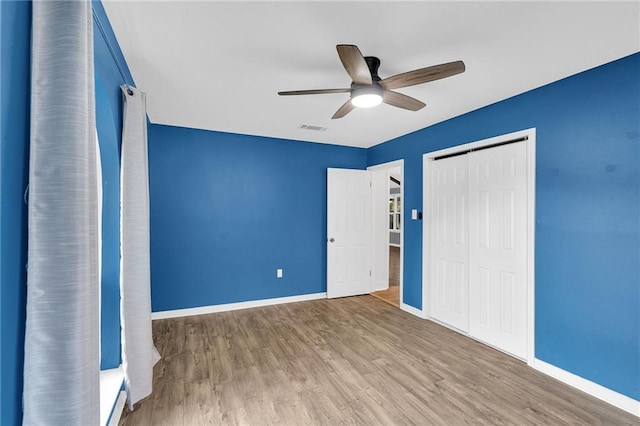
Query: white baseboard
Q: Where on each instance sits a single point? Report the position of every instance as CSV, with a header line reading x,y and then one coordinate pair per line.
x,y
117,409
110,385
614,398
235,306
410,309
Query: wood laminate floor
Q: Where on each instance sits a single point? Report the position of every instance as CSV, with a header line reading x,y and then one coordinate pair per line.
x,y
347,361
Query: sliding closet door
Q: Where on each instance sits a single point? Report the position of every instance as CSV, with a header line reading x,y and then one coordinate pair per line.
x,y
450,246
498,247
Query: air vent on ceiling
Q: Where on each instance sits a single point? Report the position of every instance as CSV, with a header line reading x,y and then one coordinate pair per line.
x,y
310,127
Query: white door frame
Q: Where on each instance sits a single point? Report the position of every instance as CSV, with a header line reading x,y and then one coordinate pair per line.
x,y
427,158
385,166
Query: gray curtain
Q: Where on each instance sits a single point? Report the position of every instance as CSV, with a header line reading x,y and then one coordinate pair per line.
x,y
61,368
138,353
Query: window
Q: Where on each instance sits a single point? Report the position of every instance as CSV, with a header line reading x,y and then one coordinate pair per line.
x,y
395,206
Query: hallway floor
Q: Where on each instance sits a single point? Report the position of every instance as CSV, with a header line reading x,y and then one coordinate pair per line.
x,y
390,296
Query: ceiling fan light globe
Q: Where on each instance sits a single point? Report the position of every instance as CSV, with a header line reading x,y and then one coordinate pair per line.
x,y
366,96
366,100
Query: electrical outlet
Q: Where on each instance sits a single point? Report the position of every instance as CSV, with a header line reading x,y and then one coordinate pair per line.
x,y
279,273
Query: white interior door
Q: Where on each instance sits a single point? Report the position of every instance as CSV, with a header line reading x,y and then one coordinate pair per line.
x,y
348,232
450,245
380,229
498,247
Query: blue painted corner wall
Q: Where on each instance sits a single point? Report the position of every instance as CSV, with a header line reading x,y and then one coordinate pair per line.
x,y
587,230
227,210
15,51
111,71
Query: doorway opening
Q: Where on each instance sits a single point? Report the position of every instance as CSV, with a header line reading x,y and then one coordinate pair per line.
x,y
387,185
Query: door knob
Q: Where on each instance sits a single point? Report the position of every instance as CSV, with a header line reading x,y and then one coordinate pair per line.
x,y
331,240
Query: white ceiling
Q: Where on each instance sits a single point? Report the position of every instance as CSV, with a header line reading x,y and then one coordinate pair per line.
x,y
218,65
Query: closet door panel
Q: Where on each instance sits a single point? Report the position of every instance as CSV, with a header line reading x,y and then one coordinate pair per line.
x,y
450,247
498,247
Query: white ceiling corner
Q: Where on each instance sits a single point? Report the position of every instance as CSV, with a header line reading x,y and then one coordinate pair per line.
x,y
218,65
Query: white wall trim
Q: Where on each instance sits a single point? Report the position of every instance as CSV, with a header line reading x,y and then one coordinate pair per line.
x,y
117,409
607,395
426,225
389,165
531,239
413,311
110,384
235,306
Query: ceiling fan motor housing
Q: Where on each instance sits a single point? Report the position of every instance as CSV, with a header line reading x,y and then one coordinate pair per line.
x,y
374,88
366,89
373,64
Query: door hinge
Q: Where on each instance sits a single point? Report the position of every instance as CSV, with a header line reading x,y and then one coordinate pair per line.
x,y
369,273
370,184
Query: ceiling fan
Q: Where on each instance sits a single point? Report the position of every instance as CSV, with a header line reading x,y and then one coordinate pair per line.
x,y
368,89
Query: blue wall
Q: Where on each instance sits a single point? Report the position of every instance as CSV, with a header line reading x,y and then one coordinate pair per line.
x,y
227,210
109,123
587,214
110,291
15,50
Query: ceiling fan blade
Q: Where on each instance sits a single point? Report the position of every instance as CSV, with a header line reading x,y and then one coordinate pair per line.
x,y
402,101
313,92
354,63
423,75
343,110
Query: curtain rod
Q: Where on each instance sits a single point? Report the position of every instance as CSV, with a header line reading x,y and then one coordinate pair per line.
x,y
111,50
455,154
